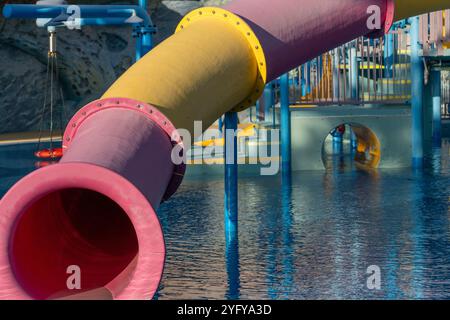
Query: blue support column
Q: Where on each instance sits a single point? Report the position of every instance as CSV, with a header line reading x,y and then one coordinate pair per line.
x,y
258,111
336,87
354,76
274,111
233,268
144,41
353,140
231,206
436,95
417,78
231,175
389,47
285,125
338,144
306,88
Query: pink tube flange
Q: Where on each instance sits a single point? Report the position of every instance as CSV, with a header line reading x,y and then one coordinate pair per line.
x,y
293,32
95,210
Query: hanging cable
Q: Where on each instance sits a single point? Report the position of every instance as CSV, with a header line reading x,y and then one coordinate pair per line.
x,y
44,106
62,114
52,76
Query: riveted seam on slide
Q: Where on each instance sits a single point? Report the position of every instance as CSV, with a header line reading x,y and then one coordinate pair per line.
x,y
388,21
249,35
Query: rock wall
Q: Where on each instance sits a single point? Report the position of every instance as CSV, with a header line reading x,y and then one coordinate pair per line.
x,y
89,59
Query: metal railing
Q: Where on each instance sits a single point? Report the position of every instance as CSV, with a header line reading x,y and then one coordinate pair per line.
x,y
364,71
435,33
369,71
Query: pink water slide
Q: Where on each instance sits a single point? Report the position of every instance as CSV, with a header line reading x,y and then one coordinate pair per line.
x,y
96,208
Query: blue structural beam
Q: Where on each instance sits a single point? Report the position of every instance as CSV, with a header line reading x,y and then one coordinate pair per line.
x,y
389,55
336,64
417,79
268,98
436,96
84,15
231,174
31,11
269,103
285,124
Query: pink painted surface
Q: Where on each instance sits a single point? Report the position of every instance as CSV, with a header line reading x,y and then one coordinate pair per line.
x,y
124,140
95,209
38,245
292,32
150,118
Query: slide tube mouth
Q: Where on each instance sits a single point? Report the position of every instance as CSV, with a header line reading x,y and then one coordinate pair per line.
x,y
75,231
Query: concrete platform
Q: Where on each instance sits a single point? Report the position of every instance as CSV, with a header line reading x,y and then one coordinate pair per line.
x,y
390,124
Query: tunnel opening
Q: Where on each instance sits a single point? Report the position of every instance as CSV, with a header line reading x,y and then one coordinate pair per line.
x,y
351,146
70,242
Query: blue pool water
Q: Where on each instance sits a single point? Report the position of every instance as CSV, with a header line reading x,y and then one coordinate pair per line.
x,y
313,238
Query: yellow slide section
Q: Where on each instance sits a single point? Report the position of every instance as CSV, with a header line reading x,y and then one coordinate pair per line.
x,y
410,8
199,73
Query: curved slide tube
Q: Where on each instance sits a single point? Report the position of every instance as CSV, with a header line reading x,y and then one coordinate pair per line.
x,y
95,210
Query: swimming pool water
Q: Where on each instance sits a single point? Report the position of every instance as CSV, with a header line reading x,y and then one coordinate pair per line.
x,y
312,238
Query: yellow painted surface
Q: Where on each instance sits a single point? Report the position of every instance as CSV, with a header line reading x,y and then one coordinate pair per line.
x,y
213,64
324,89
240,25
247,131
410,8
394,81
199,73
368,144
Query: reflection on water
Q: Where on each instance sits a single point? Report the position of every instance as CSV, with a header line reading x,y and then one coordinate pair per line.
x,y
313,237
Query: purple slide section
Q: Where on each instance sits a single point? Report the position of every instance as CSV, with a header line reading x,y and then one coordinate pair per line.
x,y
125,142
292,32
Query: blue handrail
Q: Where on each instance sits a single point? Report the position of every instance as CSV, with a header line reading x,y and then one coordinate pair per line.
x,y
89,14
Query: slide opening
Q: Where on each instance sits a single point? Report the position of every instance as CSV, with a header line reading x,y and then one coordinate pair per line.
x,y
70,242
351,146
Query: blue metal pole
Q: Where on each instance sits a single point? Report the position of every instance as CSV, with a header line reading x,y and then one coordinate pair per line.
x,y
258,111
417,76
308,79
231,206
231,174
232,263
353,139
86,22
221,124
144,41
285,124
389,54
31,11
336,63
354,76
268,101
436,88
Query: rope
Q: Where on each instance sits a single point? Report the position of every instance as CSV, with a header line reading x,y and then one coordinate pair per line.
x,y
63,115
52,78
41,121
